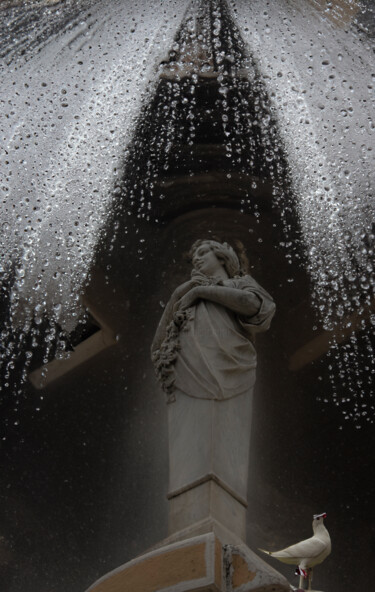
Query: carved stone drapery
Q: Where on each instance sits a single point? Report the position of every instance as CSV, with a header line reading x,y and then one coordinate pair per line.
x,y
205,359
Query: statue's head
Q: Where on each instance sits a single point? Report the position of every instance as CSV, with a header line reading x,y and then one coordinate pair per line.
x,y
223,252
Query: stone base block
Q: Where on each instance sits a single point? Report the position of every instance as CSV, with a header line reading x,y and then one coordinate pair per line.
x,y
207,500
199,564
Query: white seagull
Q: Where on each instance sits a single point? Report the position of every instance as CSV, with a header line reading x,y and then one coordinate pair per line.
x,y
308,553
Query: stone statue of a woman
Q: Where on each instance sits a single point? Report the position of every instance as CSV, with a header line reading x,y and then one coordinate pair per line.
x,y
205,359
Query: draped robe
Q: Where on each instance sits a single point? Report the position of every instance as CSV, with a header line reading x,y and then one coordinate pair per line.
x,y
213,350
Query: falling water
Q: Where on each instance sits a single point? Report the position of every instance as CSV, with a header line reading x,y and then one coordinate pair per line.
x,y
70,108
320,82
71,101
302,117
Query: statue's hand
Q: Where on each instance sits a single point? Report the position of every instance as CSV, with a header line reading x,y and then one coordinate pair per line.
x,y
181,290
188,299
200,279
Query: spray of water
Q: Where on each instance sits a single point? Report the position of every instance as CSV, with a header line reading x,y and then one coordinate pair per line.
x,y
294,87
320,83
70,110
72,97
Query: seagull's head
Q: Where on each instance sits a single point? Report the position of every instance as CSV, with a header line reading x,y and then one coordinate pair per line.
x,y
318,519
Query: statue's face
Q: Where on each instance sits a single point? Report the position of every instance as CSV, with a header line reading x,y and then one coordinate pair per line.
x,y
205,260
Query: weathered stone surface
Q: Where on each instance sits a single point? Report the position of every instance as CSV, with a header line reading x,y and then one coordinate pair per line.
x,y
194,564
244,571
201,564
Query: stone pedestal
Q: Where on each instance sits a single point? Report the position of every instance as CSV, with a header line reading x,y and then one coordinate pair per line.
x,y
206,501
209,445
198,564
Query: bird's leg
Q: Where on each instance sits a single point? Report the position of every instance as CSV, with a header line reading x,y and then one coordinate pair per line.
x,y
310,578
300,581
302,576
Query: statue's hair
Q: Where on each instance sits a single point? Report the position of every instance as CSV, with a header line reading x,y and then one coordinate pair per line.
x,y
224,252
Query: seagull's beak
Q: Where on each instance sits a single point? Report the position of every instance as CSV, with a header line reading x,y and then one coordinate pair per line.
x,y
317,516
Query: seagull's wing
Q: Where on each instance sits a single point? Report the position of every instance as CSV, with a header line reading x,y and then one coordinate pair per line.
x,y
308,548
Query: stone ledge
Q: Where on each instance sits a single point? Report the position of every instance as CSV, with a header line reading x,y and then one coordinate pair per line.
x,y
198,564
